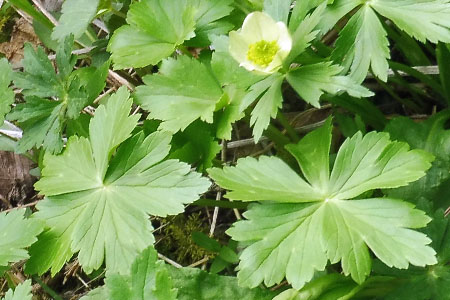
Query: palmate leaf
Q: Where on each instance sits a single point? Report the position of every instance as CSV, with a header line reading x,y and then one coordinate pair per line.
x,y
306,224
17,234
97,204
43,120
182,92
155,28
22,292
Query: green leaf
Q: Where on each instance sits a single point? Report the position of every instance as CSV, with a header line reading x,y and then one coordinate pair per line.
x,y
267,107
268,178
148,279
182,92
27,7
43,120
75,19
363,44
378,163
99,293
156,28
304,34
433,15
278,10
300,11
196,145
280,233
311,81
225,117
335,12
101,190
22,292
432,282
17,234
315,164
432,137
200,285
6,93
39,77
209,16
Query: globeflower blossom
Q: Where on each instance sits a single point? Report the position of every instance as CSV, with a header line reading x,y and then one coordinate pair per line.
x,y
261,44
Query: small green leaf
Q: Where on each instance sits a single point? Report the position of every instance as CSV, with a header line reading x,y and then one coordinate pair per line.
x,y
200,285
17,234
311,81
196,145
205,241
336,12
22,292
75,19
39,77
182,92
267,107
43,120
278,9
155,28
363,44
304,34
148,279
432,137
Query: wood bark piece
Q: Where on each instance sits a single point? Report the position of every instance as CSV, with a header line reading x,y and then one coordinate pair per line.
x,y
16,183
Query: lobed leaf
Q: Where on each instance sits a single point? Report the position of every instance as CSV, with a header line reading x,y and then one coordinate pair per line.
x,y
279,233
97,203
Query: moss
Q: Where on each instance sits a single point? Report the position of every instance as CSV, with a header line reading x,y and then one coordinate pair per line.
x,y
176,241
7,14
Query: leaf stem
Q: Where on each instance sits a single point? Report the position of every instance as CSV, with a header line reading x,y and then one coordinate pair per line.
x,y
47,289
287,125
118,13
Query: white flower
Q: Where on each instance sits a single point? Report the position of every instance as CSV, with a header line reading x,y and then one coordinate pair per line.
x,y
261,44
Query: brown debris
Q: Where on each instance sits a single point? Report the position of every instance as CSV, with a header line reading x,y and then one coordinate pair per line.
x,y
22,33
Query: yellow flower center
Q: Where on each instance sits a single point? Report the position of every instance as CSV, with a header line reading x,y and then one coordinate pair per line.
x,y
262,52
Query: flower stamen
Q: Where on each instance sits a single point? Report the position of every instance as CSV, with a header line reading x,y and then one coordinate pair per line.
x,y
262,52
